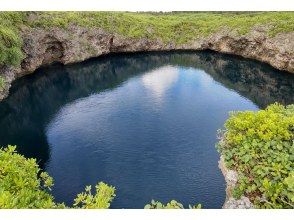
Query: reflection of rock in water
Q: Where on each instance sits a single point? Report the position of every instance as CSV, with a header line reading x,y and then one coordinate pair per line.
x,y
260,83
34,99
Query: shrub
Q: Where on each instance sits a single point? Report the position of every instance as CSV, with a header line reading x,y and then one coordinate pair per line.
x,y
102,199
173,204
23,185
260,147
20,186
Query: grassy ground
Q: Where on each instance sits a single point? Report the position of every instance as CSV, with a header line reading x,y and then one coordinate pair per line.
x,y
179,27
10,40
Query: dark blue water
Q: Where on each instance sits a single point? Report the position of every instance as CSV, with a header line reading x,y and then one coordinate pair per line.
x,y
144,123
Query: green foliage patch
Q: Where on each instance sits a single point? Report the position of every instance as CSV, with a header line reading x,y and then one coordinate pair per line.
x,y
23,185
101,200
260,147
173,204
10,40
20,186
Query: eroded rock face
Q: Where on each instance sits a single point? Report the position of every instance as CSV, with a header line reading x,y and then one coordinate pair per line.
x,y
276,51
242,203
8,75
75,44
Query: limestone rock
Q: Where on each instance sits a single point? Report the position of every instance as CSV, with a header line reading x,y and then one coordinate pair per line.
x,y
75,44
231,178
242,203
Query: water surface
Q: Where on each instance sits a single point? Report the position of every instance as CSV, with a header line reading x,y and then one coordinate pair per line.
x,y
144,123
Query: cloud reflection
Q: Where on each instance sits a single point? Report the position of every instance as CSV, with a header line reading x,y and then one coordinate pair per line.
x,y
160,80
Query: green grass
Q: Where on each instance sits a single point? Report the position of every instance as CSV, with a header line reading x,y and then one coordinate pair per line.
x,y
2,83
10,40
180,27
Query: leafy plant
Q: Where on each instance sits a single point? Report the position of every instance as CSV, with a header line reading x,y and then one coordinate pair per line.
x,y
102,199
20,186
173,204
260,147
23,185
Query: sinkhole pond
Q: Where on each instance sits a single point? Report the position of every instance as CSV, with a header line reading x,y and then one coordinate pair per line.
x,y
144,123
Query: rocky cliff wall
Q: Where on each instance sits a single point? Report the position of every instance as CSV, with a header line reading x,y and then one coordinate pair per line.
x,y
75,44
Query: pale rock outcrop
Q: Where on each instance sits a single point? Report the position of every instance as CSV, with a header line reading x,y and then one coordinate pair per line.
x,y
231,178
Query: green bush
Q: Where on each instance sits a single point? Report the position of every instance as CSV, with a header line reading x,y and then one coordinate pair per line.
x,y
101,200
260,147
23,185
173,204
